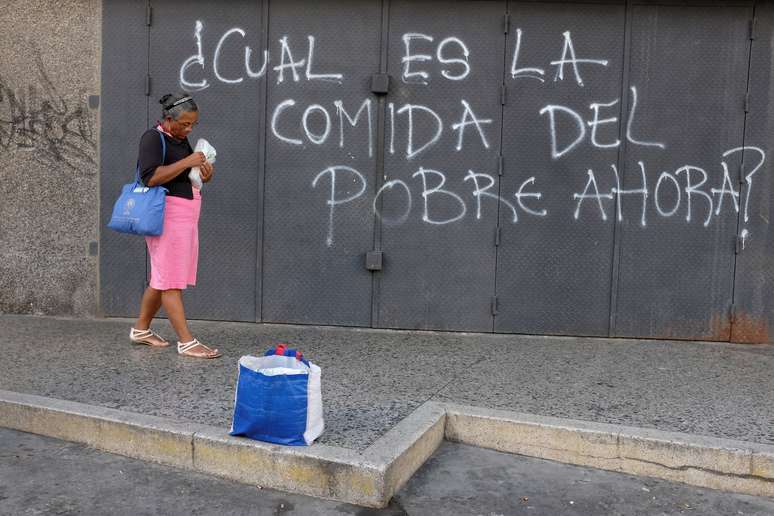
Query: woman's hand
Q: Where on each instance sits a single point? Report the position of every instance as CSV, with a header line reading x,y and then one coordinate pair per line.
x,y
165,173
196,159
206,171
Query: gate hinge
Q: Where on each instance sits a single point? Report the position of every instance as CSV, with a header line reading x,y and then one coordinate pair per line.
x,y
498,235
506,23
380,83
374,260
500,165
753,22
747,102
503,93
732,313
495,305
147,85
149,15
739,244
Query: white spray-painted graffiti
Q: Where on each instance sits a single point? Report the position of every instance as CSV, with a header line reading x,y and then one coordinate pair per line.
x,y
689,192
198,61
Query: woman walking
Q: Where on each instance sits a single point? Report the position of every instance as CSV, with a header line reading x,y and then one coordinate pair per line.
x,y
174,254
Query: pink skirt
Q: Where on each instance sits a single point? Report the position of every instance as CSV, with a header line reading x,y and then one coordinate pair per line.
x,y
174,255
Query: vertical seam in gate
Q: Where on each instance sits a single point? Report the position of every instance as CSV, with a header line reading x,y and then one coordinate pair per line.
x,y
148,5
615,269
501,172
99,309
376,276
263,91
740,215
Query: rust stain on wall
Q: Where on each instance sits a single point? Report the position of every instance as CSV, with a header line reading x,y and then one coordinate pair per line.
x,y
718,328
744,328
749,329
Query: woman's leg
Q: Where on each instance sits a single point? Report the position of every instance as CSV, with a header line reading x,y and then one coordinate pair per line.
x,y
149,307
173,304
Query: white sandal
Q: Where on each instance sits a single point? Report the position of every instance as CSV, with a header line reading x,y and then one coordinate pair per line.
x,y
148,337
184,348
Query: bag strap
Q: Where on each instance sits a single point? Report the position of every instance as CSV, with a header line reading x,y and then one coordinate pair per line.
x,y
163,147
163,157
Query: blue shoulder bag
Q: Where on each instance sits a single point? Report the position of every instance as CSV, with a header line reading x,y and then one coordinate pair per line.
x,y
139,209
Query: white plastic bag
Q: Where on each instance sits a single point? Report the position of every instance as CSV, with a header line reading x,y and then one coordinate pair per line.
x,y
195,175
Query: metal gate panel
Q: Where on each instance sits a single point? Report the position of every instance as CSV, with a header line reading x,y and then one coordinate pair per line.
x,y
438,248
687,81
319,165
644,250
229,115
754,286
123,113
554,263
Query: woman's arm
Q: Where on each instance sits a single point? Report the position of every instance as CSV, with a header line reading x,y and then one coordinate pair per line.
x,y
206,171
165,173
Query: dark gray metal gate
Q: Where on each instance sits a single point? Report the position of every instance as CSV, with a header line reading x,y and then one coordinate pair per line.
x,y
554,262
438,244
230,114
124,117
319,165
688,68
752,312
520,167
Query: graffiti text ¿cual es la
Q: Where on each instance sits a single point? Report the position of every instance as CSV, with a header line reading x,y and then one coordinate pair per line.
x,y
419,51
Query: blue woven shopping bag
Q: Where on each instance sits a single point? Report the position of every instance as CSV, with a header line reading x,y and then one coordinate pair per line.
x,y
278,399
139,209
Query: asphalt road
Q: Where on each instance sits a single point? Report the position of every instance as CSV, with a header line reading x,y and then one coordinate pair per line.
x,y
40,475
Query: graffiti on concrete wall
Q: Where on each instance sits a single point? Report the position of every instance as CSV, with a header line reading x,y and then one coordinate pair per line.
x,y
36,117
689,192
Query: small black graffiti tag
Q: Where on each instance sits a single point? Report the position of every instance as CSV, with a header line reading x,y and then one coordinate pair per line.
x,y
38,118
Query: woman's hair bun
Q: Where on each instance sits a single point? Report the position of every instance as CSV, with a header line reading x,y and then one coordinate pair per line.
x,y
163,100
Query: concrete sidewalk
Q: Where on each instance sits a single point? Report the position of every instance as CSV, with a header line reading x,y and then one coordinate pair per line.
x,y
693,412
372,379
